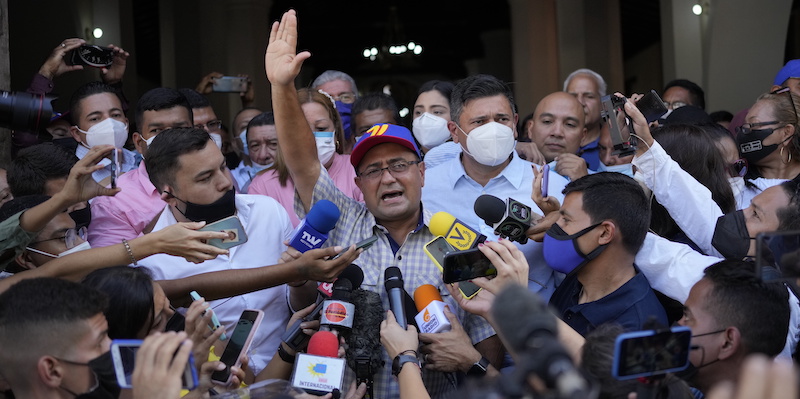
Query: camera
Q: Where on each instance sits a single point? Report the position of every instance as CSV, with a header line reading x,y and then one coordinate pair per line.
x,y
615,117
91,55
25,111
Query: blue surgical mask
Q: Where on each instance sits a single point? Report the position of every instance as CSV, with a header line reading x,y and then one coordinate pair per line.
x,y
561,250
626,169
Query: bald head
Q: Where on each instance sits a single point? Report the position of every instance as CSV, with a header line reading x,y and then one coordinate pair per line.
x,y
558,125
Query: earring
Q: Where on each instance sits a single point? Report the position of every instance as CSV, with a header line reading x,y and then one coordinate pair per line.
x,y
789,158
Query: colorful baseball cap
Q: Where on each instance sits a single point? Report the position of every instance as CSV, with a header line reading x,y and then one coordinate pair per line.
x,y
379,134
790,70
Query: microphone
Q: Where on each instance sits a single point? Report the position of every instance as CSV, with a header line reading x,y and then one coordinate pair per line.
x,y
294,336
431,317
393,282
312,232
338,312
456,232
530,331
510,218
320,371
364,355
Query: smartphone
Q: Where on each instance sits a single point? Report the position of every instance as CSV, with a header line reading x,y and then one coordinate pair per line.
x,y
115,167
230,225
229,84
436,250
650,352
545,179
123,355
778,250
364,244
651,106
213,325
91,55
238,344
466,265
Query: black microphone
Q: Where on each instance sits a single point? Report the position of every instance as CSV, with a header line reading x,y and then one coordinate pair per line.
x,y
363,352
294,336
393,282
510,218
530,331
338,312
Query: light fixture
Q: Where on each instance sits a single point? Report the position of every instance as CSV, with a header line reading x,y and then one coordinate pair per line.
x,y
403,112
697,9
394,48
97,33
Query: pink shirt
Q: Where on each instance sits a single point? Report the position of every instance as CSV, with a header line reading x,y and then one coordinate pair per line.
x,y
341,172
125,215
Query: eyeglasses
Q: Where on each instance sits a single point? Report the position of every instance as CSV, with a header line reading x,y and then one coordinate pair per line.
x,y
396,169
708,333
674,105
70,237
210,126
791,100
347,98
738,168
748,128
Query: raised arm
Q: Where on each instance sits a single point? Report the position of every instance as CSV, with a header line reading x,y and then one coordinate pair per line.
x,y
297,144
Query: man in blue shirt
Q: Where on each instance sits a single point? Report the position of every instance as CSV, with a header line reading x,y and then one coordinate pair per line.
x,y
483,122
603,223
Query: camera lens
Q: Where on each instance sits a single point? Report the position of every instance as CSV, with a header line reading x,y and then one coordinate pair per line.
x,y
25,111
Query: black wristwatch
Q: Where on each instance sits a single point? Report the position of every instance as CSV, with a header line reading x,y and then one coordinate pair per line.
x,y
479,369
400,360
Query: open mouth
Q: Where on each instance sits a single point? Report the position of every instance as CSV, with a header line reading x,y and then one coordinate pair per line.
x,y
391,194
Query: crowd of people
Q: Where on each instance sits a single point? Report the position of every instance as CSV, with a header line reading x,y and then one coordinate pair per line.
x,y
689,219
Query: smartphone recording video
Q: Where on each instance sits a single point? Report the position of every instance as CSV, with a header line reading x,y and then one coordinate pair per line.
x,y
651,352
123,355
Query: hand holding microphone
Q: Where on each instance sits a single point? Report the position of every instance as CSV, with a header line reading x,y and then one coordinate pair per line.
x,y
397,340
312,232
457,233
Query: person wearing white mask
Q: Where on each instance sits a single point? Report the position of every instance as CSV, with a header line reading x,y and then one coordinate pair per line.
x,y
203,115
326,124
609,162
98,118
127,214
262,141
483,121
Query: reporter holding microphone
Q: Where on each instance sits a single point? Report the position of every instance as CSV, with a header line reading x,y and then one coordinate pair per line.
x,y
401,345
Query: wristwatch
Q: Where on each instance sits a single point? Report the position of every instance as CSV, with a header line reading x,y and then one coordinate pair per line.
x,y
479,369
400,360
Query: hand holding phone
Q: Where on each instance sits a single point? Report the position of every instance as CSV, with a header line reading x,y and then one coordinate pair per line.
x,y
239,344
466,265
545,179
229,84
230,225
136,366
364,244
651,352
213,325
436,249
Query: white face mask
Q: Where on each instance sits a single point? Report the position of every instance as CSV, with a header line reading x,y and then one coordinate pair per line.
x,y
217,139
490,144
243,137
326,146
737,185
257,167
430,130
80,247
625,169
110,131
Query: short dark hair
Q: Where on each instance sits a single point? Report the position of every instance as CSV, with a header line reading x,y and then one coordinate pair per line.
x,y
130,299
35,165
721,116
373,101
789,215
89,89
614,196
158,99
478,86
162,155
696,92
759,309
262,119
195,99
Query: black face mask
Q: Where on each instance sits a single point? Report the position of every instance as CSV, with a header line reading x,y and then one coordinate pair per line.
x,y
751,145
66,142
731,237
217,210
103,369
82,217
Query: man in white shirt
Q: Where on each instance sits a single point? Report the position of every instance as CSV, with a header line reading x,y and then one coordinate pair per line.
x,y
190,172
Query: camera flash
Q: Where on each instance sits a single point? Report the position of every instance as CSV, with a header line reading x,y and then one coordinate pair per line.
x,y
97,33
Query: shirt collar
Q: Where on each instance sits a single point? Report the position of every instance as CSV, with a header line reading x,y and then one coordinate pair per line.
x,y
514,172
617,302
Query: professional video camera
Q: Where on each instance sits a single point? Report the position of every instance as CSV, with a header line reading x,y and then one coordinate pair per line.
x,y
25,111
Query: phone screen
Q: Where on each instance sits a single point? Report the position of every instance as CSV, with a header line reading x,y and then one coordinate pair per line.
x,y
236,344
646,353
466,265
123,353
436,250
230,225
651,106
